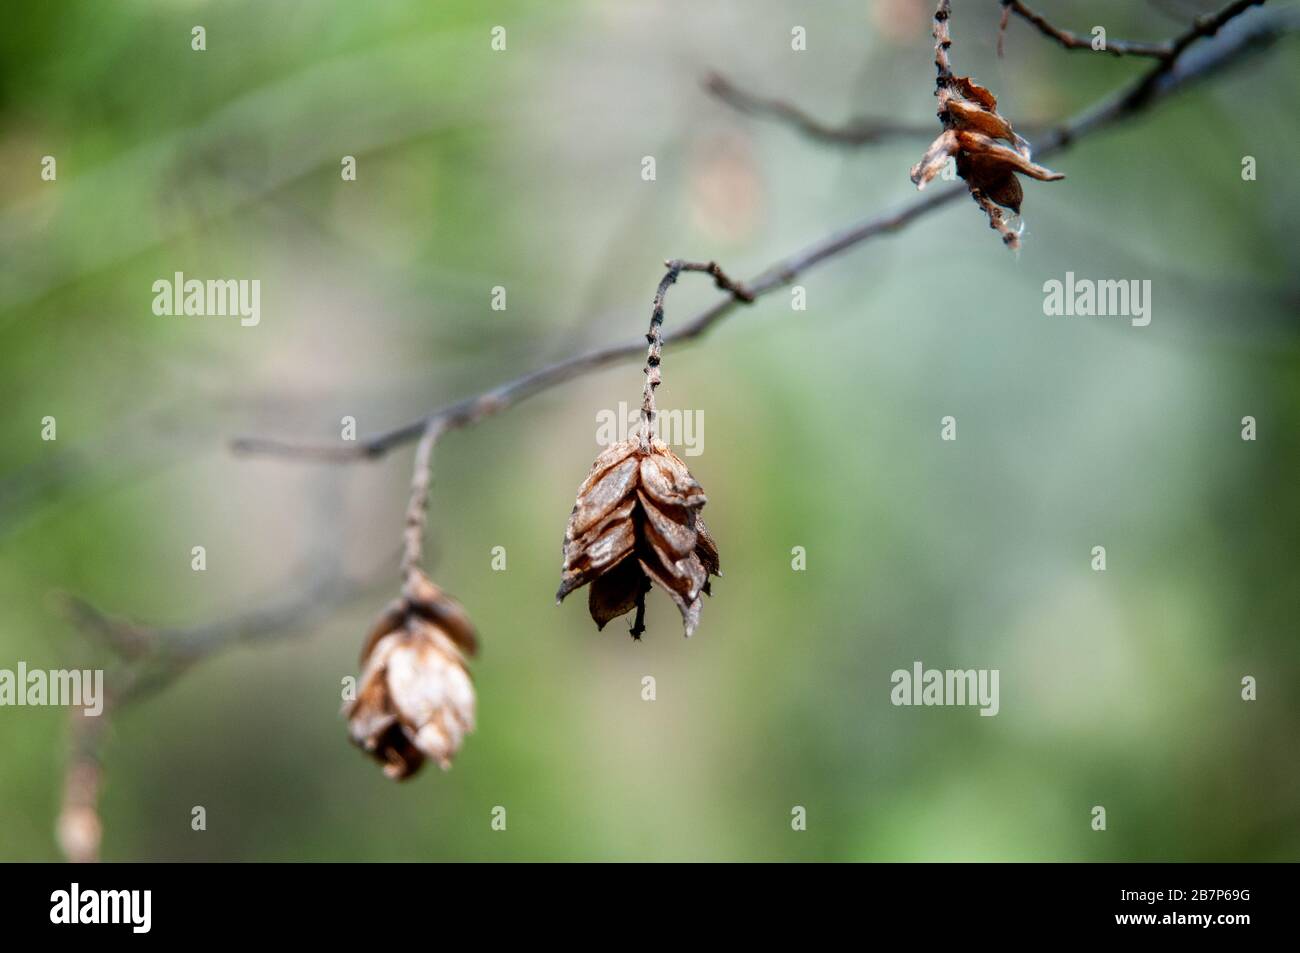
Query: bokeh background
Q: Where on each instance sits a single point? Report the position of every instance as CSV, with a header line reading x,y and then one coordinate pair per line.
x,y
522,168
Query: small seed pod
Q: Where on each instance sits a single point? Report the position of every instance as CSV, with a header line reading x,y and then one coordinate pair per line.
x,y
416,699
636,522
972,128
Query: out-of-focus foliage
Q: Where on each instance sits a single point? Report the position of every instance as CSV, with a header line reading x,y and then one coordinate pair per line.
x,y
522,169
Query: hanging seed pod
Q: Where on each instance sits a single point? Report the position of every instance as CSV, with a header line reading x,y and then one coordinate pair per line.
x,y
972,128
415,699
636,522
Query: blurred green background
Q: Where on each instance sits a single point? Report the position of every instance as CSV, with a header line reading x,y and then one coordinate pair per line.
x,y
522,169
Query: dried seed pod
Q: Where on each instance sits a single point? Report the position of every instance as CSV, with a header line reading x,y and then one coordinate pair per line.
x,y
415,699
972,128
636,523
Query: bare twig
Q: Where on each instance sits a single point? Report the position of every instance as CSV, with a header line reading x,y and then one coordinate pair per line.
x,y
417,510
1206,26
80,829
1180,10
149,660
126,639
1163,80
656,340
1072,41
942,43
860,131
655,335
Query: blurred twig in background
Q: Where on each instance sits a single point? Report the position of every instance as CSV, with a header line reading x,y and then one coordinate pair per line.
x,y
861,131
150,659
1072,41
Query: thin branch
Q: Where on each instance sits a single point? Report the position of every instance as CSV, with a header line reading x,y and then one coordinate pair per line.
x,y
417,510
863,130
126,639
1072,41
149,660
79,828
652,360
942,43
1180,10
145,647
654,336
1206,26
1163,80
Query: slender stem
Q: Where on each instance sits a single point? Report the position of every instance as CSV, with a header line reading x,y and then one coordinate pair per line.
x,y
942,41
654,336
80,829
417,510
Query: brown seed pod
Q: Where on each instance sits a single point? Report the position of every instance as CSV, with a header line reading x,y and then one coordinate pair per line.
x,y
972,127
415,699
636,521
635,524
